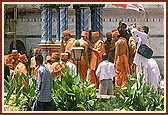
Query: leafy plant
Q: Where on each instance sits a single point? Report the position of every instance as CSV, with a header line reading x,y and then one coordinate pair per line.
x,y
161,68
72,94
144,98
21,97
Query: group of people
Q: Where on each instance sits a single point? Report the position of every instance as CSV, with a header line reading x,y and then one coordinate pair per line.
x,y
120,51
105,63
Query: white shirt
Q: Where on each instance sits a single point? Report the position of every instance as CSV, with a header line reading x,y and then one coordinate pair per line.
x,y
140,37
72,67
105,70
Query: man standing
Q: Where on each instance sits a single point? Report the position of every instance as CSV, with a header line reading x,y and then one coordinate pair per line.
x,y
21,68
141,37
115,37
33,65
123,32
43,88
48,63
107,44
105,74
121,62
84,62
96,56
67,42
132,49
15,60
65,62
56,66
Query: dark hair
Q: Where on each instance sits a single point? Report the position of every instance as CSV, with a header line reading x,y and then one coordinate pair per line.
x,y
104,56
69,55
124,24
39,58
146,29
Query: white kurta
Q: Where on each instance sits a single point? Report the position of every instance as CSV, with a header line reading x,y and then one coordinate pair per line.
x,y
153,73
72,67
140,61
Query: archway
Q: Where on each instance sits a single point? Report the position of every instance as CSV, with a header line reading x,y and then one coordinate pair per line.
x,y
19,46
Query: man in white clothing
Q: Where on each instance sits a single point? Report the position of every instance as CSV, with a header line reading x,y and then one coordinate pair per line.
x,y
140,36
71,65
65,60
105,73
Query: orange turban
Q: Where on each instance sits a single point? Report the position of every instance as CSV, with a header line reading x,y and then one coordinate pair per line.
x,y
85,34
95,34
14,52
64,55
36,50
66,32
49,58
55,55
115,34
22,57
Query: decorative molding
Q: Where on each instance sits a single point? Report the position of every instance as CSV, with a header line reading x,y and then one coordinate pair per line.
x,y
104,20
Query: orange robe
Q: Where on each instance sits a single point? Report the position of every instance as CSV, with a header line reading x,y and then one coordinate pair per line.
x,y
132,48
121,70
56,70
96,58
68,45
8,59
15,62
33,67
21,68
84,63
107,46
82,68
112,51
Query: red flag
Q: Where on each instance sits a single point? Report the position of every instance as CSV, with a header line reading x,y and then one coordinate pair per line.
x,y
136,7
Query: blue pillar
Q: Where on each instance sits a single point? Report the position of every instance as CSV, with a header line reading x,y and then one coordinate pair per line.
x,y
93,19
100,16
44,25
78,22
97,19
58,24
63,19
84,18
49,25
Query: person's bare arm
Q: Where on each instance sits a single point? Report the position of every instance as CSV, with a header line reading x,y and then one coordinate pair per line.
x,y
116,51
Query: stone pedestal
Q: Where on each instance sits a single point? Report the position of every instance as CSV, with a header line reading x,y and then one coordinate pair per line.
x,y
48,47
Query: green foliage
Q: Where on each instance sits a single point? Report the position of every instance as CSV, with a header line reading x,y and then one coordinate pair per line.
x,y
110,104
161,68
19,98
72,94
144,98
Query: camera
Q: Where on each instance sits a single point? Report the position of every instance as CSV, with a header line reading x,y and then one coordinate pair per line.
x,y
131,26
